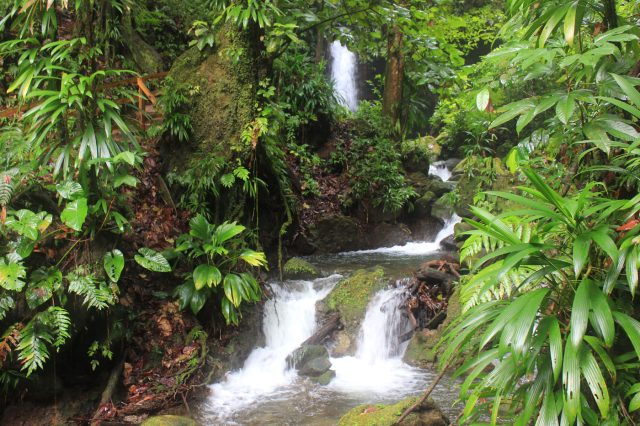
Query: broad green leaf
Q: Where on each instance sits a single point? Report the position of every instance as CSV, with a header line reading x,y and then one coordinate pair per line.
x,y
565,108
628,88
232,283
605,242
482,99
253,258
571,380
581,247
152,260
69,190
595,380
634,404
580,312
12,276
113,263
206,275
75,214
632,269
631,327
552,23
226,231
197,302
200,228
570,23
555,348
600,316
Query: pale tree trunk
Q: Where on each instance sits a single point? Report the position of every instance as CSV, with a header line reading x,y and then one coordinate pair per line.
x,y
392,98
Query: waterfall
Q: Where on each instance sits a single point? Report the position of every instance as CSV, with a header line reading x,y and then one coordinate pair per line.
x,y
441,170
377,367
343,73
289,319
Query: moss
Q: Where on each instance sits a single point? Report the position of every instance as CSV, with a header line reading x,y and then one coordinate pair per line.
x,y
351,296
169,421
297,268
427,414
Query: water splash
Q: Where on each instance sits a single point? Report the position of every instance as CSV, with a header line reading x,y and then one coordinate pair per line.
x,y
289,319
441,170
377,367
343,72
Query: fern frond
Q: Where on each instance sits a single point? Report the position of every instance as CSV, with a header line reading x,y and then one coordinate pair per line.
x,y
60,321
32,347
7,186
6,304
95,294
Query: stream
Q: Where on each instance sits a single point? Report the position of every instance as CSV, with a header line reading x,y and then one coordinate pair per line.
x,y
266,391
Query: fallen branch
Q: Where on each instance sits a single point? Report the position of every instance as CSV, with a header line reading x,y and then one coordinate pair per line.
x,y
327,328
424,396
116,372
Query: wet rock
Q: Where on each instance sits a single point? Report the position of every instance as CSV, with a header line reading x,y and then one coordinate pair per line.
x,y
386,235
316,367
424,203
449,244
342,344
335,234
310,360
416,154
438,187
325,378
420,351
297,268
434,276
169,420
428,414
441,209
350,298
419,181
451,163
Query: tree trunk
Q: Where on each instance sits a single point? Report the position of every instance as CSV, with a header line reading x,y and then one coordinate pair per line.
x,y
392,98
610,14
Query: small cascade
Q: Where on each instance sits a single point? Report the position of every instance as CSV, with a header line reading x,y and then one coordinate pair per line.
x,y
377,368
289,319
441,170
344,73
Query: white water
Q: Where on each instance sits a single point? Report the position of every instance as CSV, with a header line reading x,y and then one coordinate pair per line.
x,y
343,72
377,367
289,319
440,169
416,248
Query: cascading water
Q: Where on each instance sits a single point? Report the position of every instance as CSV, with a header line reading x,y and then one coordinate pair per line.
x,y
441,170
343,72
289,319
377,368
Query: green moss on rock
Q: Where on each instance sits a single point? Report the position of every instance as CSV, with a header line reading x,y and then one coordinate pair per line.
x,y
169,420
351,296
297,268
428,414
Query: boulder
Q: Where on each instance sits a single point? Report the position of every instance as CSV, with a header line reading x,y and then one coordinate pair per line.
x,y
424,203
441,209
169,420
416,154
299,269
451,163
449,244
334,234
438,187
419,181
325,378
427,414
350,298
310,360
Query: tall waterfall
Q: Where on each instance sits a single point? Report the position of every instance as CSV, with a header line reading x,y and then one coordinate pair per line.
x,y
343,72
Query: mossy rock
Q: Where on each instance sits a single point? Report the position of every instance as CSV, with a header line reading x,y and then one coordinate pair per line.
x,y
169,420
417,153
297,268
350,298
428,414
223,104
325,378
335,234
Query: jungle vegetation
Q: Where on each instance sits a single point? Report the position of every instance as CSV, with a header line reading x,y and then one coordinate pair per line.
x,y
94,224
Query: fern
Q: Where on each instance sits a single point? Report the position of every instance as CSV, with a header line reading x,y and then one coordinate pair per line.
x,y
32,346
95,295
6,304
60,321
7,186
484,287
